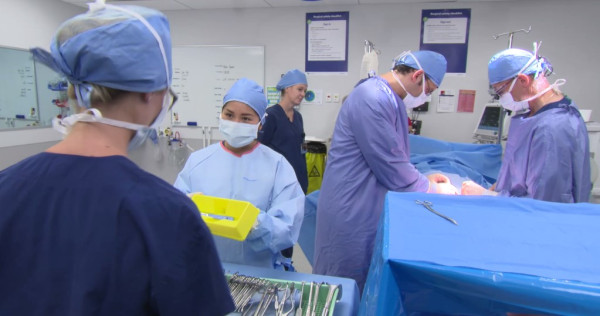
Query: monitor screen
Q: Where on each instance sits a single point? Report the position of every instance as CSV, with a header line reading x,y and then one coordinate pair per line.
x,y
490,118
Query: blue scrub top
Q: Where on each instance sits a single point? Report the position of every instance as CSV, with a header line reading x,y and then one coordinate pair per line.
x,y
286,138
100,236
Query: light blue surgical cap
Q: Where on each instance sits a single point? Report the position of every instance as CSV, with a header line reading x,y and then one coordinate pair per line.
x,y
434,64
248,92
291,78
507,63
109,46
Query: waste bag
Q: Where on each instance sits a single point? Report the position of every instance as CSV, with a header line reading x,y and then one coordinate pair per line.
x,y
316,153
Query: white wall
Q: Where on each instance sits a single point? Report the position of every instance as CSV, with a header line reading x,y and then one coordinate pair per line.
x,y
567,29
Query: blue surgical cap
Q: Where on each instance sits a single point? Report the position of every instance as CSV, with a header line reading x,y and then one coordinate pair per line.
x,y
291,78
110,46
433,64
507,64
250,93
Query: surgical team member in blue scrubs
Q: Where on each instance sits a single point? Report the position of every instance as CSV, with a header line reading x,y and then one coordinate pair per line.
x,y
370,156
83,230
283,130
547,154
241,168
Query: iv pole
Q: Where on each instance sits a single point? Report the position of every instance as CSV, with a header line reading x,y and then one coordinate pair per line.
x,y
502,110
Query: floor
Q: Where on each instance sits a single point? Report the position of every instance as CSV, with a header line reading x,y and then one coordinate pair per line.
x,y
299,261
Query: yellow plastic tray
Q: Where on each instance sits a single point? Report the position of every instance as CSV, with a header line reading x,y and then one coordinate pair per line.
x,y
225,217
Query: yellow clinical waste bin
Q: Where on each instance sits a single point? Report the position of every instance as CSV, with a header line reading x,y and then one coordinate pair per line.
x,y
316,153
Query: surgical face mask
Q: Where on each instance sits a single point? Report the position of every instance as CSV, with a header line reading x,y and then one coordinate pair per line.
x,y
146,132
95,116
409,100
508,102
236,134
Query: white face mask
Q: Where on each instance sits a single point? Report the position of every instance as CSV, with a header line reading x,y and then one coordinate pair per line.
x,y
508,102
409,100
236,134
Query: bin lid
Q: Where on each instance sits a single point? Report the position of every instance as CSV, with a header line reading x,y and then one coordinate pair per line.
x,y
316,148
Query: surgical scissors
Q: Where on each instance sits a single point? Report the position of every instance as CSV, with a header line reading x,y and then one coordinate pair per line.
x,y
428,205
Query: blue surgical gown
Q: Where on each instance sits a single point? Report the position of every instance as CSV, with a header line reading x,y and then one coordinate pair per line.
x,y
286,138
369,155
100,236
547,156
262,177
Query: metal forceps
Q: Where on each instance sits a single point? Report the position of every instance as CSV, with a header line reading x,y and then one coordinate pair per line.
x,y
428,205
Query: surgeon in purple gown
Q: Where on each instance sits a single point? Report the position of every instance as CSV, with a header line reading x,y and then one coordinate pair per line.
x,y
370,156
547,153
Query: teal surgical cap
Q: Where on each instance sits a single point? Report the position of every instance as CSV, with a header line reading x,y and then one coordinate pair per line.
x,y
433,64
291,78
507,64
120,47
250,93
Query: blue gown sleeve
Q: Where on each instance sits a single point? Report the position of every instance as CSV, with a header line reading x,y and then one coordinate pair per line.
x,y
279,226
386,152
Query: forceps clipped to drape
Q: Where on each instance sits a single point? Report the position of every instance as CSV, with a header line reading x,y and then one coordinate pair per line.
x,y
428,205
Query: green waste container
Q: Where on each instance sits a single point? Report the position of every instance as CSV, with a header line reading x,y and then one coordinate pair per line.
x,y
315,164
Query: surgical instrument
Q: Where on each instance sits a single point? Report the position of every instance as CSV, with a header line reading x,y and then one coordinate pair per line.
x,y
428,205
316,299
332,289
299,310
309,300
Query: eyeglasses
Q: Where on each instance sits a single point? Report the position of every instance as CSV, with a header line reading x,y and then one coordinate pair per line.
x,y
428,84
500,91
174,98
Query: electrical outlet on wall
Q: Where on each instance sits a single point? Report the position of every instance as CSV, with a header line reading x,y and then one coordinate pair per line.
x,y
336,97
328,98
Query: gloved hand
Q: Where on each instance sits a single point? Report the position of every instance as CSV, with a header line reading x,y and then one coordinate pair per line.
x,y
193,193
439,183
438,178
472,188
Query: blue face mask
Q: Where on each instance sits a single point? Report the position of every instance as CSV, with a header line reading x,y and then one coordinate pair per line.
x,y
236,134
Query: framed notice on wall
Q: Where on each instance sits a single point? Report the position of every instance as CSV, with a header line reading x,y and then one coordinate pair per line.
x,y
446,31
327,42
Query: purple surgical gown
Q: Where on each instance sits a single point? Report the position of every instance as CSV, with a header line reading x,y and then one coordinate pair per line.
x,y
547,156
369,156
100,236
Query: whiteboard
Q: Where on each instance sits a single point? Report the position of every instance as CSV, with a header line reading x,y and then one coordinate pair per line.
x,y
18,98
202,75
